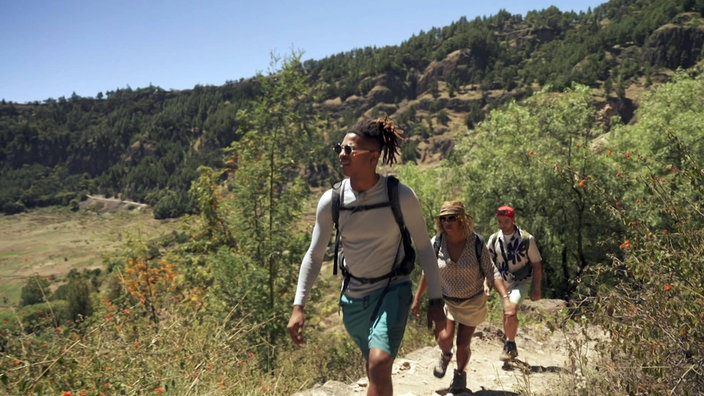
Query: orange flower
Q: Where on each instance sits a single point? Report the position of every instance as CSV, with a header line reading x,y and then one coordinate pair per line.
x,y
530,153
66,394
159,390
582,183
136,344
17,362
668,287
626,244
627,154
618,174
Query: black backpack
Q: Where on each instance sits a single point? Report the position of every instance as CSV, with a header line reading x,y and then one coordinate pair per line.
x,y
406,265
478,246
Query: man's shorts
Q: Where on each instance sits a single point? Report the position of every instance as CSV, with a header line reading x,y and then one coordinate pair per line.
x,y
517,291
384,331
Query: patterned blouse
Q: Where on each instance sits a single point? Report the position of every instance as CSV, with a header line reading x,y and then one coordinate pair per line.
x,y
464,279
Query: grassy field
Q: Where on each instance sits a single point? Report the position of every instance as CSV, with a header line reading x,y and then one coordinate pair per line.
x,y
52,241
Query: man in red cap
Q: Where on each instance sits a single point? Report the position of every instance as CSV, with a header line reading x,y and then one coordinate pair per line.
x,y
518,260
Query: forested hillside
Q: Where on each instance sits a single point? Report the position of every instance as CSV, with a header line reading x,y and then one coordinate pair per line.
x,y
145,144
605,171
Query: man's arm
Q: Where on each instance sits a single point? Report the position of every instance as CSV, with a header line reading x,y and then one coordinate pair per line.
x,y
310,267
415,222
536,290
313,259
537,268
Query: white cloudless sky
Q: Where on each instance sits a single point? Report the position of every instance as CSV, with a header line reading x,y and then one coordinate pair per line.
x,y
54,48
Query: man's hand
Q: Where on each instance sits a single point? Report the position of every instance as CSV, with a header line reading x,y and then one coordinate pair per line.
x,y
295,325
509,307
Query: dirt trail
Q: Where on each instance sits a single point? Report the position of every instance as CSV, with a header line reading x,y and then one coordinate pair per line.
x,y
543,361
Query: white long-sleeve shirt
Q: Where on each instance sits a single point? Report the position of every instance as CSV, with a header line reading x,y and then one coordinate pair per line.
x,y
370,239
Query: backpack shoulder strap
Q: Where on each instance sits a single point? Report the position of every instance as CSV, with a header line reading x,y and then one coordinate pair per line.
x,y
492,240
437,242
392,189
478,246
336,187
336,221
525,236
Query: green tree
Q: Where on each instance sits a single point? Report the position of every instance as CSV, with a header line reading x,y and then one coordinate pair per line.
x,y
534,156
78,298
646,295
268,190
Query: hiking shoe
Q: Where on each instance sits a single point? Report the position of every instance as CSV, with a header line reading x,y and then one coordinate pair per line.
x,y
510,351
441,367
459,382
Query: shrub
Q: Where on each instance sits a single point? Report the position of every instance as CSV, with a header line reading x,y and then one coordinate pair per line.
x,y
36,290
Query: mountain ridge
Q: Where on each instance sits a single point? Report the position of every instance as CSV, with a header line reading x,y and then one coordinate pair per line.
x,y
146,144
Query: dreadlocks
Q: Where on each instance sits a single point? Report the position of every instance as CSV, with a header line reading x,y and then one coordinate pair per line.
x,y
385,133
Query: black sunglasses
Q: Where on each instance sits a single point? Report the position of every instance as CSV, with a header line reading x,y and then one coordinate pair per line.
x,y
348,149
449,219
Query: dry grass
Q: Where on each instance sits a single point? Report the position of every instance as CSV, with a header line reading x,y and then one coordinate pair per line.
x,y
49,242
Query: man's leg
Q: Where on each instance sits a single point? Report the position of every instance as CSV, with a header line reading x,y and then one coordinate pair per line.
x,y
385,336
379,372
516,293
511,326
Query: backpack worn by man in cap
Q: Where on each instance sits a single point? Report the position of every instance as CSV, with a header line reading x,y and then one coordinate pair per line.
x,y
405,266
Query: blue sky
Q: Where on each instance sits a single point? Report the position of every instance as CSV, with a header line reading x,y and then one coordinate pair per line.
x,y
53,48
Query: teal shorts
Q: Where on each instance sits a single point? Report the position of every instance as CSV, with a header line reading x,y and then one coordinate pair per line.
x,y
384,331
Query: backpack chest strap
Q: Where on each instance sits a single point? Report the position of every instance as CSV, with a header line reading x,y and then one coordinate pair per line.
x,y
361,208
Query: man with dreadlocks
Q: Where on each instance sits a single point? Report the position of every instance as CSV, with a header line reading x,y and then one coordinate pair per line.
x,y
375,301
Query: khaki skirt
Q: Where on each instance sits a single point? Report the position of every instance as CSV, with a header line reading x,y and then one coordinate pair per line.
x,y
470,312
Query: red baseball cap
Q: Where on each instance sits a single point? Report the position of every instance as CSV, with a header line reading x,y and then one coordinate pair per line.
x,y
505,211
